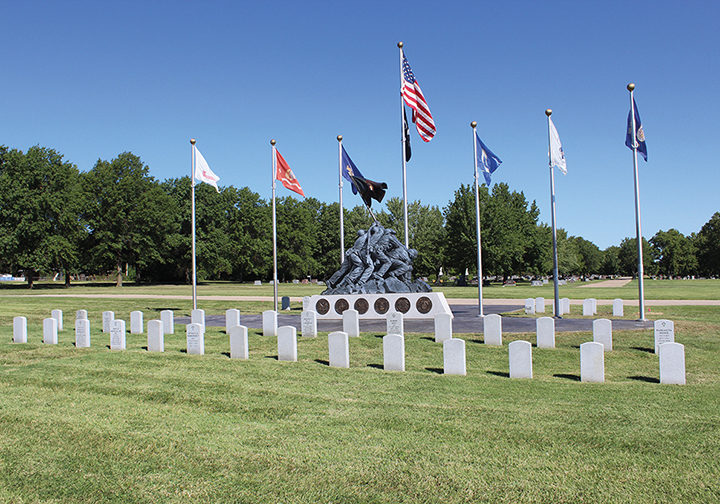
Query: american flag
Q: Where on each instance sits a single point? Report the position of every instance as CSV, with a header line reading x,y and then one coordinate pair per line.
x,y
413,97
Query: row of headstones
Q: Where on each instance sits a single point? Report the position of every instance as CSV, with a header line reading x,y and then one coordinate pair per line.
x,y
537,305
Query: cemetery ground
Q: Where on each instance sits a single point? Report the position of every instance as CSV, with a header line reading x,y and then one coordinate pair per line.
x,y
95,425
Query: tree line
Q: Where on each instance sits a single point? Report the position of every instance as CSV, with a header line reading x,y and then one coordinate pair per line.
x,y
117,220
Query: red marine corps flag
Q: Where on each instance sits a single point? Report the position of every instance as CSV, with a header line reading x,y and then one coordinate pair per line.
x,y
284,174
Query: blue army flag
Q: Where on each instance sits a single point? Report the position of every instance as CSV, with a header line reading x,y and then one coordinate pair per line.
x,y
349,170
639,133
486,160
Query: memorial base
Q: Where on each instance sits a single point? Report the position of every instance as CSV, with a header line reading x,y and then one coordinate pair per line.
x,y
420,305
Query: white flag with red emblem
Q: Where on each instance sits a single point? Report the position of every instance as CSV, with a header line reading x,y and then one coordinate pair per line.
x,y
203,171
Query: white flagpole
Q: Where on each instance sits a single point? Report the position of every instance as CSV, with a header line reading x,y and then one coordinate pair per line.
x,y
638,224
192,190
340,187
402,135
473,125
548,113
274,222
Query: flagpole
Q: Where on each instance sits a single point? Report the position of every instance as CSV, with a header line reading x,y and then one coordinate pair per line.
x,y
340,188
274,223
402,134
548,113
638,225
192,190
473,125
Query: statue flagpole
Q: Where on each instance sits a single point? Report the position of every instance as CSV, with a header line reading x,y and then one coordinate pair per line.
x,y
192,191
473,125
340,188
548,113
638,224
402,134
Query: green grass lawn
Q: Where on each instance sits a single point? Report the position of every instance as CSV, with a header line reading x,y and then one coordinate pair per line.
x,y
95,425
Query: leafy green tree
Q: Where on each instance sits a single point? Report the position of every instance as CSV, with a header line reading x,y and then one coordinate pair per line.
x,y
250,229
461,230
674,253
328,218
591,257
708,247
297,239
129,216
610,261
40,212
628,258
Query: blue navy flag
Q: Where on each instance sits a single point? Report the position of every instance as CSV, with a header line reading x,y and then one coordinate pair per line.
x,y
349,170
639,133
486,160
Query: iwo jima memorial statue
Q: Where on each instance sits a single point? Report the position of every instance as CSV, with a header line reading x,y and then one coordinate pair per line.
x,y
375,277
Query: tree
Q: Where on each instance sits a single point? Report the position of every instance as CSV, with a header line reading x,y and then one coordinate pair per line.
x,y
129,215
628,258
610,261
297,239
591,257
40,207
250,229
708,247
461,231
674,253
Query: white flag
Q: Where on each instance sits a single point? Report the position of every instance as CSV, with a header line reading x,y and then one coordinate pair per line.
x,y
557,156
203,171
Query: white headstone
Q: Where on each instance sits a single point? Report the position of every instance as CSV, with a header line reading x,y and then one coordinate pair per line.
x,y
520,357
394,323
664,332
168,320
117,335
672,363
81,315
239,348
443,327
492,329
454,362
287,343
198,317
270,327
50,335
58,315
594,305
155,336
308,321
82,333
592,362
20,329
306,303
232,319
394,352
258,282
136,322
530,306
539,305
339,349
107,319
565,305
602,333
351,323
587,308
545,328
195,338
618,309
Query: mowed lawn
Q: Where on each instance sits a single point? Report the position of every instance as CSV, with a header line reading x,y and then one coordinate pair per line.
x,y
96,425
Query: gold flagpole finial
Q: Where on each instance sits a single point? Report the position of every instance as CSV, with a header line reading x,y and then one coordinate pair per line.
x,y
631,87
192,141
272,142
473,124
400,45
339,137
548,112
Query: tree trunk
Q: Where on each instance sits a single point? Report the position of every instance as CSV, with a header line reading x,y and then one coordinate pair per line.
x,y
30,274
67,279
119,275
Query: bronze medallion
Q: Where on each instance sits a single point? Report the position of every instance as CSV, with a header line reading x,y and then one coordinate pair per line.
x,y
402,305
381,306
424,305
361,306
341,305
322,306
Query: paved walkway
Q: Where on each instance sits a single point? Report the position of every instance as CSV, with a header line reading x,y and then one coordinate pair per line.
x,y
617,282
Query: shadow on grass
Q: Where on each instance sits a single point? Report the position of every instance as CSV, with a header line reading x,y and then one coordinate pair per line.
x,y
641,349
435,369
226,354
428,338
502,374
163,309
648,379
272,357
572,377
478,341
376,366
144,348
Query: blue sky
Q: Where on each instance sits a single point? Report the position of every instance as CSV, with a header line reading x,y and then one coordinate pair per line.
x,y
93,79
